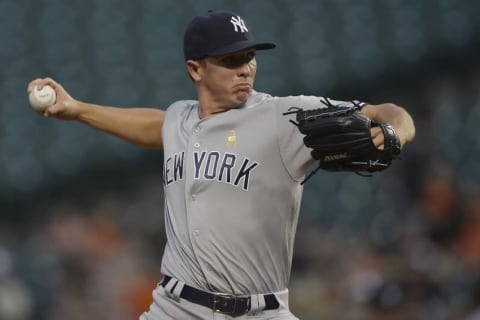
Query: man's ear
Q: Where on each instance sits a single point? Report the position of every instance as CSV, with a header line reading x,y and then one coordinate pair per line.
x,y
193,68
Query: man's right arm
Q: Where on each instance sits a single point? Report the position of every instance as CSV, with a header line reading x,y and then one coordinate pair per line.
x,y
140,126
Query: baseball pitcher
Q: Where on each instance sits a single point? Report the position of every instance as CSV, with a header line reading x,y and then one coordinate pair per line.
x,y
235,161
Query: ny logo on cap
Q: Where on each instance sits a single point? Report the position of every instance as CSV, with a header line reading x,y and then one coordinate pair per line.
x,y
239,23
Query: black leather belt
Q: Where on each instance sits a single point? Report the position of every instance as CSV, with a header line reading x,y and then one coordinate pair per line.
x,y
222,303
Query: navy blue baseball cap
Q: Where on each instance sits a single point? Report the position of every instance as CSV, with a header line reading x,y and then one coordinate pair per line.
x,y
217,33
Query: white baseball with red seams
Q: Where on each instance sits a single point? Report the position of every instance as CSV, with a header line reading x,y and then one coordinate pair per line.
x,y
43,98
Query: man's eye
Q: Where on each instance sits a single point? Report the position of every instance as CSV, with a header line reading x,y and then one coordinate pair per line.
x,y
229,60
236,61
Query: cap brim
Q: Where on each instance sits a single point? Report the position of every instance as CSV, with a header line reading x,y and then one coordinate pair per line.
x,y
242,45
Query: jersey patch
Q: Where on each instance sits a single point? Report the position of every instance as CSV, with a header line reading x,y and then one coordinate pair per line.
x,y
231,139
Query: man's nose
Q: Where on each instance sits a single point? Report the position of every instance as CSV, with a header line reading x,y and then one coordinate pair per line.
x,y
245,70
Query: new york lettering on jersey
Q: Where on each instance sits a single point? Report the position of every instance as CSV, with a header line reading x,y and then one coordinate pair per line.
x,y
211,165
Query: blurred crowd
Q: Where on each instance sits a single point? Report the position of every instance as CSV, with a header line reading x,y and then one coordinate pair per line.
x,y
94,258
420,260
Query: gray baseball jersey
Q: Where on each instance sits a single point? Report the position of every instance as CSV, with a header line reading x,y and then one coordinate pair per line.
x,y
232,193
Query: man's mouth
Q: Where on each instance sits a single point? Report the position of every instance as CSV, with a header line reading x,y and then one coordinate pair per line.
x,y
243,87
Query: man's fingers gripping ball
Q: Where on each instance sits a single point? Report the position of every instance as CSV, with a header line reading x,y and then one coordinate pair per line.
x,y
41,99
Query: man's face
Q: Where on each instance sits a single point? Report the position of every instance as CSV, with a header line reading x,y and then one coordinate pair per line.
x,y
229,78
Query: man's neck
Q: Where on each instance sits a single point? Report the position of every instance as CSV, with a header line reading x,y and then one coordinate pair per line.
x,y
208,107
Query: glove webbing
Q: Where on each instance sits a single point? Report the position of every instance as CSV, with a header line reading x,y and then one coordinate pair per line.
x,y
330,111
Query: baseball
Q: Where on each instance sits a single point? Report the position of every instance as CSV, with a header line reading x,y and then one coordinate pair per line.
x,y
43,98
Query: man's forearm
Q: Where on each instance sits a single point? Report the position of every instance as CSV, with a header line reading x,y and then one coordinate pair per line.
x,y
140,126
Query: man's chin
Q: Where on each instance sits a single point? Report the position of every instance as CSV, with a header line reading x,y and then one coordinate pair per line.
x,y
242,96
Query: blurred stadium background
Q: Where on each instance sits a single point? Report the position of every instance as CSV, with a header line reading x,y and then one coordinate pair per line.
x,y
81,223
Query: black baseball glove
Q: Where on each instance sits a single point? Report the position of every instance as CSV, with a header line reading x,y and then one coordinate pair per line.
x,y
341,140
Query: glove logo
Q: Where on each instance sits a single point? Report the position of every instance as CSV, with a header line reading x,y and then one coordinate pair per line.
x,y
332,157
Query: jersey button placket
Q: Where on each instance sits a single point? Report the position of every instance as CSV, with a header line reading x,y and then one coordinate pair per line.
x,y
193,217
196,130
